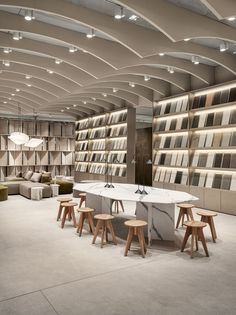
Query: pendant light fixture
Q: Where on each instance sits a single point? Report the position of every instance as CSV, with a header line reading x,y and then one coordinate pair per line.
x,y
34,142
18,137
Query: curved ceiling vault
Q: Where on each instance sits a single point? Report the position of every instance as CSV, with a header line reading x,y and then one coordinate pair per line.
x,y
127,63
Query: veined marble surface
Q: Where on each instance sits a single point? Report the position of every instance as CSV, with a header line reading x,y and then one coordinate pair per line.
x,y
127,192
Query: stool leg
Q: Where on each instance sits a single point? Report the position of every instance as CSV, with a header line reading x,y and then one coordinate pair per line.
x,y
143,238
64,217
81,201
192,241
212,227
129,240
98,226
109,224
80,224
90,221
190,213
59,212
72,213
141,243
203,242
187,234
103,232
179,218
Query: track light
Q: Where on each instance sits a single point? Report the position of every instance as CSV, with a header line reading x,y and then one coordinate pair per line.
x,y
90,33
131,84
133,17
147,78
58,61
195,60
104,94
170,70
6,63
28,76
114,90
29,15
72,49
231,18
224,46
49,71
17,36
119,13
7,50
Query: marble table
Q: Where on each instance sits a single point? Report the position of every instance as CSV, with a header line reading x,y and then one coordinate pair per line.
x,y
157,207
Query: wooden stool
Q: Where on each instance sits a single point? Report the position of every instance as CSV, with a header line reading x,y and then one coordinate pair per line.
x,y
104,223
61,200
82,197
185,209
207,217
136,228
195,228
117,202
85,214
68,211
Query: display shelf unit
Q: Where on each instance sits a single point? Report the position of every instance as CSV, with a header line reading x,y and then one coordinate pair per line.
x,y
55,154
105,146
194,145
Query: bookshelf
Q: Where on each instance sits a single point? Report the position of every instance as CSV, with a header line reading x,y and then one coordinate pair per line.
x,y
194,146
55,154
105,144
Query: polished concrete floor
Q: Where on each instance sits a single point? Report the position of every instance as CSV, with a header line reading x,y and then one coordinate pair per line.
x,y
45,270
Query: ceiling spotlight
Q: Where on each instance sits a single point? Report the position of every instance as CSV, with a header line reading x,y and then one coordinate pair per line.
x,y
131,84
170,70
133,17
147,78
17,90
58,61
67,107
74,105
9,98
90,33
84,102
119,13
161,54
186,39
28,76
62,110
72,49
17,36
29,15
234,52
5,102
7,50
104,94
29,85
12,94
6,63
49,71
224,46
114,90
231,18
195,60
94,98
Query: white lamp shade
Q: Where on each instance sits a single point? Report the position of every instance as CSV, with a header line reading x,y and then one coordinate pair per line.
x,y
19,138
33,143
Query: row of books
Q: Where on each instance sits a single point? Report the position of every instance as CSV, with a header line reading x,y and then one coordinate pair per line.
x,y
214,98
102,133
82,124
217,160
226,117
117,131
213,139
101,157
174,141
178,105
171,176
117,117
172,159
214,180
179,123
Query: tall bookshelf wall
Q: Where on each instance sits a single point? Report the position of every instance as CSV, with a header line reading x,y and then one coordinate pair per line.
x,y
105,146
194,146
55,154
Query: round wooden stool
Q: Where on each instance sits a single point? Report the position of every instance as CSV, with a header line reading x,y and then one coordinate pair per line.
x,y
85,214
61,200
207,217
195,228
68,211
82,197
185,209
117,202
104,223
136,228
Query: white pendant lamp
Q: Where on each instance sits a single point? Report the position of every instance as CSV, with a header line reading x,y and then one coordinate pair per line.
x,y
33,143
19,137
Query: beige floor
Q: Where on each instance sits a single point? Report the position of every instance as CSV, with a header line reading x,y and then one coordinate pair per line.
x,y
45,270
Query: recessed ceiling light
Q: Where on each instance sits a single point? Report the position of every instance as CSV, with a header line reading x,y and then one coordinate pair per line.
x,y
6,63
161,54
74,105
146,78
29,85
131,84
90,33
234,52
72,49
170,70
104,94
17,90
12,94
17,36
9,98
84,102
49,71
224,46
186,39
119,13
62,110
84,51
133,17
7,50
94,98
67,107
58,61
231,18
114,90
195,60
5,102
28,76
29,15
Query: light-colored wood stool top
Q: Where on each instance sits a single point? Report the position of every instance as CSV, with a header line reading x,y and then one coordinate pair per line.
x,y
207,217
68,212
195,229
185,210
64,199
135,223
69,204
185,205
104,216
85,214
82,195
85,210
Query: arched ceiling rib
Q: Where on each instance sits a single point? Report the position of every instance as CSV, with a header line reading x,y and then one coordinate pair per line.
x,y
129,53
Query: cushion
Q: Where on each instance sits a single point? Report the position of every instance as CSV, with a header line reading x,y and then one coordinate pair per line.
x,y
28,175
36,177
45,178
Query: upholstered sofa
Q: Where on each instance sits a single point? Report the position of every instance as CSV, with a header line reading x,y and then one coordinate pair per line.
x,y
22,185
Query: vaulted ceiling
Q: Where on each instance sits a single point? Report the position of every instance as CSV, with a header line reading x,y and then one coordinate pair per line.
x,y
146,54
